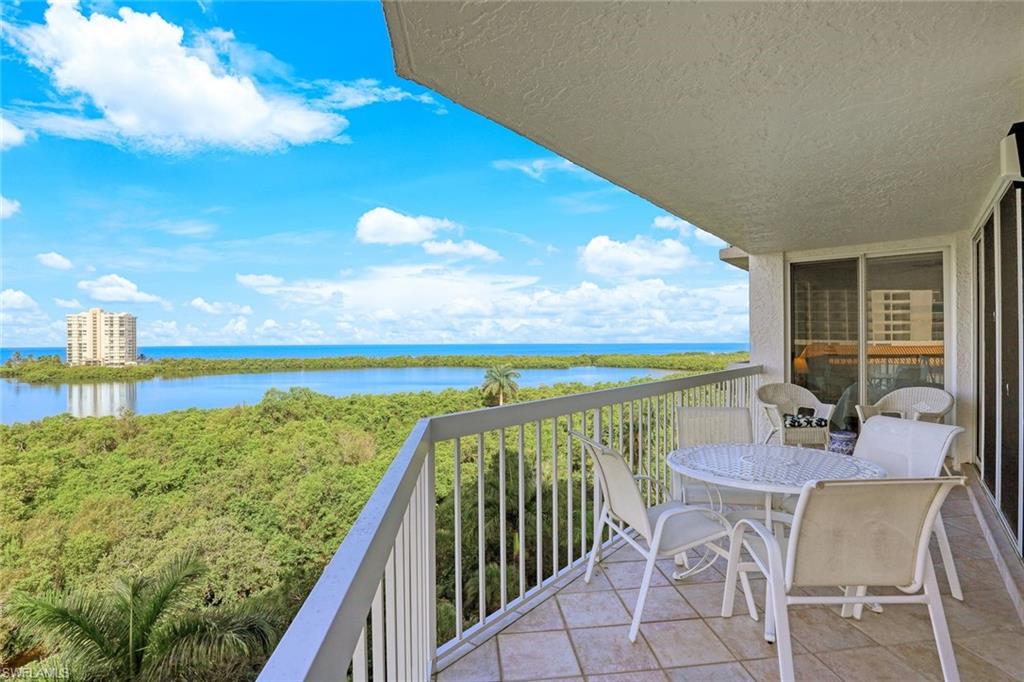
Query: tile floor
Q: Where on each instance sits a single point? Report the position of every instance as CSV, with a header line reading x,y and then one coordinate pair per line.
x,y
580,633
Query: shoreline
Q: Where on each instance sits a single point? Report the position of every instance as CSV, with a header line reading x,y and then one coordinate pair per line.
x,y
49,370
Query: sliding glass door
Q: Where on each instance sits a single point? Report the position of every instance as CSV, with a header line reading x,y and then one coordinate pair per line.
x,y
1000,335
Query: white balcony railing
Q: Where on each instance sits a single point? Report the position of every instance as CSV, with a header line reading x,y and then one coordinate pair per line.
x,y
479,512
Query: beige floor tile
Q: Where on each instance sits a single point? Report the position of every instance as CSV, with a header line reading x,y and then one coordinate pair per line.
x,y
598,582
479,665
981,611
591,609
924,658
872,664
545,616
897,624
624,553
627,574
706,598
968,523
635,676
807,669
681,643
536,655
608,650
975,575
1004,649
716,672
663,603
819,629
708,575
745,637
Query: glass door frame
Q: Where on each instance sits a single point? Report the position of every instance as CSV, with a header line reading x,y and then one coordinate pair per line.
x,y
977,287
862,256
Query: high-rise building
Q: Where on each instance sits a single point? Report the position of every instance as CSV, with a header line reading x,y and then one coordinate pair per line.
x,y
96,337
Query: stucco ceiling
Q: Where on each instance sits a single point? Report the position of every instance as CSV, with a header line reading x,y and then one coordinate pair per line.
x,y
774,126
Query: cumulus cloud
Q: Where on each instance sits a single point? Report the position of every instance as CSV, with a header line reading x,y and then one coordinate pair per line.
x,y
68,303
709,239
365,91
384,226
154,91
671,222
219,308
464,249
10,134
52,259
8,207
116,289
639,257
257,281
539,169
15,299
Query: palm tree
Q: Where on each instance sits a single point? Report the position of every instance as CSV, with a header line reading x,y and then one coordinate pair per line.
x,y
500,383
142,629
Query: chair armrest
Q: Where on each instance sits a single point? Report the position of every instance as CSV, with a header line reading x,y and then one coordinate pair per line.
x,y
657,482
824,410
770,543
927,416
865,412
774,415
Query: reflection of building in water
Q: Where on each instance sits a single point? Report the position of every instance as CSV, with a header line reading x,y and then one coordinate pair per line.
x,y
100,400
96,337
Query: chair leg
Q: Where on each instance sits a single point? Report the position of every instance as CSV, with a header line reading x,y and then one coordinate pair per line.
x,y
748,595
783,643
940,628
638,610
947,559
769,615
731,570
682,559
599,527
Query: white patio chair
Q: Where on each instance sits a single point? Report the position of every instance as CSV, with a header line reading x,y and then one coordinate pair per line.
x,y
708,426
668,529
782,399
920,403
913,449
864,532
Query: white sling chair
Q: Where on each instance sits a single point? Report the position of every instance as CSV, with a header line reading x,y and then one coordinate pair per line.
x,y
863,532
782,399
912,449
708,426
920,403
668,529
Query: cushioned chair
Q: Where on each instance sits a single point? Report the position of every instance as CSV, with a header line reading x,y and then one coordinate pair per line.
x,y
782,400
871,533
920,403
707,426
666,529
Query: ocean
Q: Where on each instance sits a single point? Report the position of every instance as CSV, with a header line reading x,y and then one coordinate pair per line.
x,y
385,350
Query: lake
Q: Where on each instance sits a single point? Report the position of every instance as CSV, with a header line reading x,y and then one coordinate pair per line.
x,y
21,402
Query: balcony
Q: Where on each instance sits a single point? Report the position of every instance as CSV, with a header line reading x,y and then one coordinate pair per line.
x,y
466,564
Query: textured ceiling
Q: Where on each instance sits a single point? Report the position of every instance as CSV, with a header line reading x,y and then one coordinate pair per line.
x,y
774,126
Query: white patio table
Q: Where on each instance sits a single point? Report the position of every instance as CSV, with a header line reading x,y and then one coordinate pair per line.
x,y
771,469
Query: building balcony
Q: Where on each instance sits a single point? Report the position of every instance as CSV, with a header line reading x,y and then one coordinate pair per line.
x,y
466,564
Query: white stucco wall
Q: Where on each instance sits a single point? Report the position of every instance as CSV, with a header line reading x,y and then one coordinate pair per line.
x,y
768,317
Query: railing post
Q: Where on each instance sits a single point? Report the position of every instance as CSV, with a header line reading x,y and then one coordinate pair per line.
x,y
432,558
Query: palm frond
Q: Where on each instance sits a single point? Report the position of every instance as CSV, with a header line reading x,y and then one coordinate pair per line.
x,y
215,638
166,589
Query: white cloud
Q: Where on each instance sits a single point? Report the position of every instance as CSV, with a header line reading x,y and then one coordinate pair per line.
x,y
10,134
236,327
15,299
257,281
153,90
68,303
384,226
709,239
464,249
365,91
8,207
671,222
539,169
168,333
116,289
185,228
219,308
52,259
640,257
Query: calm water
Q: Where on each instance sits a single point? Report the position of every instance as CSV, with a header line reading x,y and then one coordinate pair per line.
x,y
391,350
21,402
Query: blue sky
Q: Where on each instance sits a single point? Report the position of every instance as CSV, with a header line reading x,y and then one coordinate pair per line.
x,y
254,173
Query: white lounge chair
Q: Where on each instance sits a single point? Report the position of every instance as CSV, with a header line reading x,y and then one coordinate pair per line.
x,y
707,426
920,403
780,400
668,529
871,532
912,449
